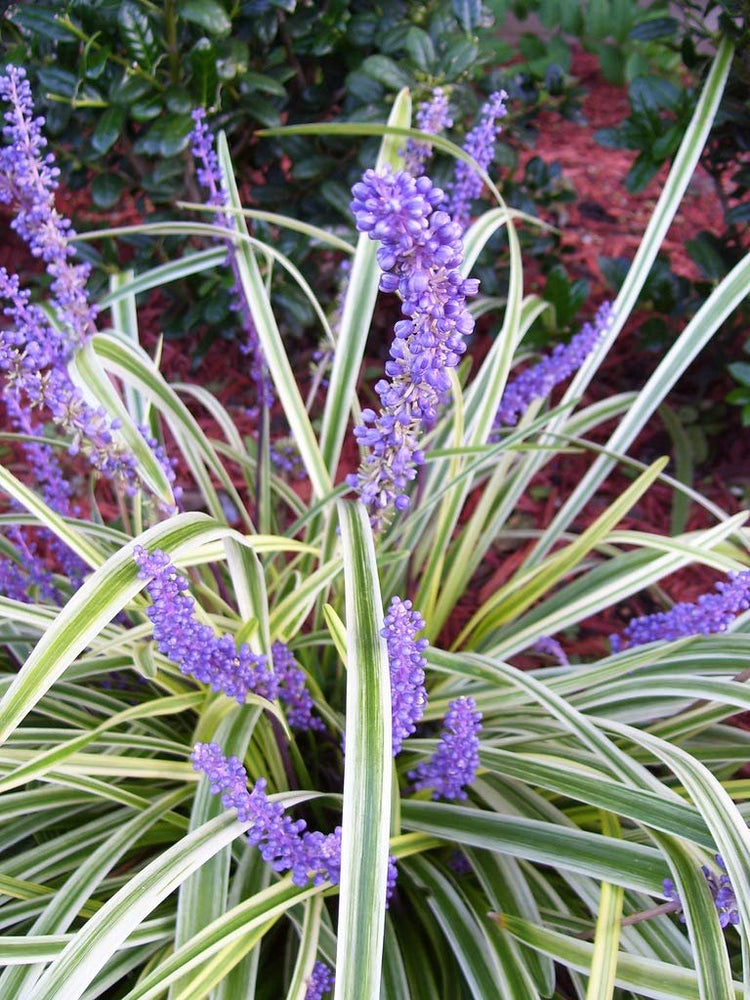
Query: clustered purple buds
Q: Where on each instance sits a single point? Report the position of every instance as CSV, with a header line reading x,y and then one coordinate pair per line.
x,y
194,647
284,843
420,255
548,646
216,659
321,981
293,691
432,117
539,380
453,766
711,613
721,891
406,664
209,176
35,350
480,144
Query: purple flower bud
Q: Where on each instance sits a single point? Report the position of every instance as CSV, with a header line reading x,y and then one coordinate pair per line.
x,y
321,981
539,380
710,613
209,175
284,843
406,664
293,692
454,764
480,144
433,117
195,648
721,891
422,253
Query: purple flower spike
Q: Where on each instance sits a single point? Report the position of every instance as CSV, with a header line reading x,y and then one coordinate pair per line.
x,y
721,890
195,648
480,144
293,691
420,255
433,117
539,380
454,764
28,180
34,351
406,663
321,981
209,175
710,613
284,843
548,646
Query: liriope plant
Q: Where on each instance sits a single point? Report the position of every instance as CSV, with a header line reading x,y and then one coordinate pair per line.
x,y
236,759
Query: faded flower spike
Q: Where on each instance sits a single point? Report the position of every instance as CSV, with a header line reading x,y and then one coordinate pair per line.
x,y
454,764
433,117
420,254
539,380
710,613
321,981
406,663
480,144
721,890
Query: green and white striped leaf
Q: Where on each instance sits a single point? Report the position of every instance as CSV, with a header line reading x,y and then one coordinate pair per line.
x,y
367,768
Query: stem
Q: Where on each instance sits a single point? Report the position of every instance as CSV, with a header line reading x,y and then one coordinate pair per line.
x,y
170,29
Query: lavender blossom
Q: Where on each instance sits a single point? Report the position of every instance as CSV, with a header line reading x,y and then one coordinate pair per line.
x,y
710,613
321,981
454,764
420,255
195,648
480,144
19,580
209,175
292,690
548,646
433,117
34,351
406,665
28,180
721,891
285,456
539,380
284,843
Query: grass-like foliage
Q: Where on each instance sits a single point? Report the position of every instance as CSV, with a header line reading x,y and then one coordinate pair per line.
x,y
239,758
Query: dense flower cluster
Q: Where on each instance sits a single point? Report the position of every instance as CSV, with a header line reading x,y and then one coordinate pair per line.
x,y
293,691
209,175
284,843
710,613
406,664
420,255
195,648
216,660
539,380
321,981
34,349
454,764
480,144
432,117
721,890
